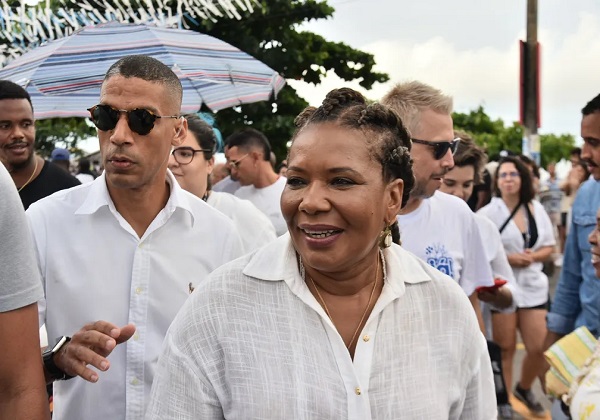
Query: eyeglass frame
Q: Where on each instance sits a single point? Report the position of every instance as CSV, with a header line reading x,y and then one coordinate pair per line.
x,y
191,149
127,112
451,145
236,163
512,174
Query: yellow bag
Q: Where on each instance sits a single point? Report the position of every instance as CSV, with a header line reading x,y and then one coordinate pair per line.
x,y
566,357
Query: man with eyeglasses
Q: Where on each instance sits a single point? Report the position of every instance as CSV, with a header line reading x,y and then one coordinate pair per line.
x,y
437,227
248,155
109,301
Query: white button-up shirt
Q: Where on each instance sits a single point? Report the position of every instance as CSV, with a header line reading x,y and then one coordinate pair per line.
x,y
95,267
255,344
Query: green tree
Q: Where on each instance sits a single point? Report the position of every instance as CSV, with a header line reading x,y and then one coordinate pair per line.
x,y
68,131
271,35
555,147
490,134
494,136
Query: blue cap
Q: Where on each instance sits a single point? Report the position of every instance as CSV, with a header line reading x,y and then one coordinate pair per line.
x,y
60,154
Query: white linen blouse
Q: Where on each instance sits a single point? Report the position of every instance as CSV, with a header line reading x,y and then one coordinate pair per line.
x,y
253,343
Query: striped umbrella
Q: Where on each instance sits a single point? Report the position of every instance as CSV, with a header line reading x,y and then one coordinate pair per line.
x,y
64,76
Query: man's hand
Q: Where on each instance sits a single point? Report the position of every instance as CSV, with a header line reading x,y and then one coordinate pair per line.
x,y
90,346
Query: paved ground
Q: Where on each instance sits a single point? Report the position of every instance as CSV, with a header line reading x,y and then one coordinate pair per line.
x,y
521,411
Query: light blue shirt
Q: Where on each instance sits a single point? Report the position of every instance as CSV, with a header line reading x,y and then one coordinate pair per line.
x,y
577,297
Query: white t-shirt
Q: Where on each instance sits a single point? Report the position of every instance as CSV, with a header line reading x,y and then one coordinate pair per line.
x,y
20,282
84,178
95,267
267,200
442,231
532,282
254,343
227,185
255,229
494,250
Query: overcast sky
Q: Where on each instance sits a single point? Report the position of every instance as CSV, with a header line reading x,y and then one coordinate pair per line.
x,y
470,50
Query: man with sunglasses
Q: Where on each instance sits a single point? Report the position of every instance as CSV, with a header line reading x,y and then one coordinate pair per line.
x,y
248,155
139,245
437,227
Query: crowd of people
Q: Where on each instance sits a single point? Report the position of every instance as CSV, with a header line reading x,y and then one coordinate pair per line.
x,y
382,270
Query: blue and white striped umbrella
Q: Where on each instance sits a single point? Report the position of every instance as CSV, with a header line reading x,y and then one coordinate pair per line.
x,y
64,76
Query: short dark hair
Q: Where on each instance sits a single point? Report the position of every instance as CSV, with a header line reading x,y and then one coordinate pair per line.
x,y
592,106
11,90
148,69
468,154
575,151
204,135
526,192
249,138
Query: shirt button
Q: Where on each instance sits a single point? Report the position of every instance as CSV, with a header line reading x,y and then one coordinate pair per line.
x,y
357,390
135,381
136,337
366,338
138,290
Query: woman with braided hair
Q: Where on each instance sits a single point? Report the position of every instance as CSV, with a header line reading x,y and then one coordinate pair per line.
x,y
332,320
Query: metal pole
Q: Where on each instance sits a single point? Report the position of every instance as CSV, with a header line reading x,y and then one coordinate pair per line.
x,y
531,81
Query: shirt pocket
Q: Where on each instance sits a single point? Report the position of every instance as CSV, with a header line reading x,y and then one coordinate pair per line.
x,y
585,224
585,219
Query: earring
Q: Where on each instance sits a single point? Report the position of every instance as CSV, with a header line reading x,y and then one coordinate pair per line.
x,y
385,238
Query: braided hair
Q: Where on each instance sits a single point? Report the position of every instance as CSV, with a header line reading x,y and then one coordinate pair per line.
x,y
387,138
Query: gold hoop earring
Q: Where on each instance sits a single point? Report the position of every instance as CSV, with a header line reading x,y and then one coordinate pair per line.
x,y
385,238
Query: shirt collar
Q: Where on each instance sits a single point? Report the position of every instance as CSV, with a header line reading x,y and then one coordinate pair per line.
x,y
98,197
277,262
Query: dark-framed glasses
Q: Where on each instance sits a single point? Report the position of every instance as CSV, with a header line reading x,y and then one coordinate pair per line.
x,y
512,174
440,148
185,154
236,163
140,120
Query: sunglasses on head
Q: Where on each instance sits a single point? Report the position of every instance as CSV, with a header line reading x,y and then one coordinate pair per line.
x,y
140,120
440,148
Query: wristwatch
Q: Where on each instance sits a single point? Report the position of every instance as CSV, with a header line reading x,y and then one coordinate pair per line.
x,y
48,357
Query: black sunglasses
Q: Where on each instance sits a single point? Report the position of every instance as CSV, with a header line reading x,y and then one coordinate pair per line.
x,y
140,121
440,148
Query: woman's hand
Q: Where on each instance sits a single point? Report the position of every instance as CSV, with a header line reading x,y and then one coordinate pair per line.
x,y
501,298
520,259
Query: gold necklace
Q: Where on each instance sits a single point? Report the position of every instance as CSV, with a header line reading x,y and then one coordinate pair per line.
x,y
31,177
322,301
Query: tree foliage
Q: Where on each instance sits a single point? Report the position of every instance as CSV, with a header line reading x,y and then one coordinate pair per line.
x,y
490,134
494,136
271,35
555,147
68,131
